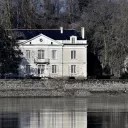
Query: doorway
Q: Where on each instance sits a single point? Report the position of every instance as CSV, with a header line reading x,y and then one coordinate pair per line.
x,y
41,69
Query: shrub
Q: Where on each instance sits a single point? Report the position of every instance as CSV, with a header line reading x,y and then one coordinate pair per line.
x,y
124,75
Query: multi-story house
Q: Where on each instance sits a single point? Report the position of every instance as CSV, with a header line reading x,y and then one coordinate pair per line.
x,y
53,53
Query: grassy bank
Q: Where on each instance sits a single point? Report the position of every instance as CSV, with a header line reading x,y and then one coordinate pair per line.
x,y
60,88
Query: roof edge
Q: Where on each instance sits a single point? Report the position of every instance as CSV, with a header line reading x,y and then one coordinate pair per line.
x,y
39,29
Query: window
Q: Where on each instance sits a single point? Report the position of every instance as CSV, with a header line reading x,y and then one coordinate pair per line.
x,y
73,40
73,54
41,69
73,68
40,54
28,54
54,54
41,40
54,68
28,69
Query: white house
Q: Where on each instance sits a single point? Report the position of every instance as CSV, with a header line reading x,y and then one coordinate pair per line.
x,y
53,53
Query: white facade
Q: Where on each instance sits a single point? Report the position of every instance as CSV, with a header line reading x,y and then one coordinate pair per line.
x,y
46,57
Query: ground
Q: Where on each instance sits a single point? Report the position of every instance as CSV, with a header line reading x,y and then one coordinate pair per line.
x,y
61,88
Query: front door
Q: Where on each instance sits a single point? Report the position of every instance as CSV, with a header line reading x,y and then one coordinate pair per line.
x,y
41,70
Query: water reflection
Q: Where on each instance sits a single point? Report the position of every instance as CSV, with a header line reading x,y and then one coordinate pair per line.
x,y
9,120
43,113
108,120
95,112
58,120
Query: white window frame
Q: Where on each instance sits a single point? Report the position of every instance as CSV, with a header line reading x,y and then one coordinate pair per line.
x,y
54,54
73,54
73,69
54,69
28,69
41,54
73,39
28,54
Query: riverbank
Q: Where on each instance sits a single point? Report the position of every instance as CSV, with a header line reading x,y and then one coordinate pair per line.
x,y
60,88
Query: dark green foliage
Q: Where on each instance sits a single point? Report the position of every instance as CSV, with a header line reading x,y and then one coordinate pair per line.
x,y
94,66
124,75
107,69
10,55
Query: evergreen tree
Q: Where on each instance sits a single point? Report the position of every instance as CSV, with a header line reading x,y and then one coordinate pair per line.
x,y
10,55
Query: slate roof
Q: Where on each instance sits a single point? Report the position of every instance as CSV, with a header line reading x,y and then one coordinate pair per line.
x,y
26,34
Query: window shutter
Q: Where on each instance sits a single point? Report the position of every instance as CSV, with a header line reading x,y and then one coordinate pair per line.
x,y
74,54
71,54
69,70
57,68
50,69
77,69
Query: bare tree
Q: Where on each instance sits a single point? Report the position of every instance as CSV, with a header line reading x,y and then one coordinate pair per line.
x,y
106,24
5,10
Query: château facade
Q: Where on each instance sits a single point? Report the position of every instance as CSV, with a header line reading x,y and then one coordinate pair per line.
x,y
53,53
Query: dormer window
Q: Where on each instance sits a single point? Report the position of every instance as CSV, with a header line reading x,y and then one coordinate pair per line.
x,y
73,39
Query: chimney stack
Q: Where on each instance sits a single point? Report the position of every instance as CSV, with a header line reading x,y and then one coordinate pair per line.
x,y
82,32
61,30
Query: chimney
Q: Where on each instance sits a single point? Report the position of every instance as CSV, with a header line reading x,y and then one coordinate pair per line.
x,y
61,30
82,32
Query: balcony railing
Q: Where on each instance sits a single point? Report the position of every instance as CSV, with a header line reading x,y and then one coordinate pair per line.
x,y
77,42
42,61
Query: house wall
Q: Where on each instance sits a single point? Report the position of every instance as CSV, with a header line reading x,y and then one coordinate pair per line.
x,y
80,61
45,40
63,60
48,54
57,61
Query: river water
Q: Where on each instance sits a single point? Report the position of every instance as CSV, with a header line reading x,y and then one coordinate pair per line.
x,y
99,111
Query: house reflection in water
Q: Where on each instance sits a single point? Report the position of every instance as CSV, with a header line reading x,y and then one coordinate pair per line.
x,y
54,119
48,114
46,120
